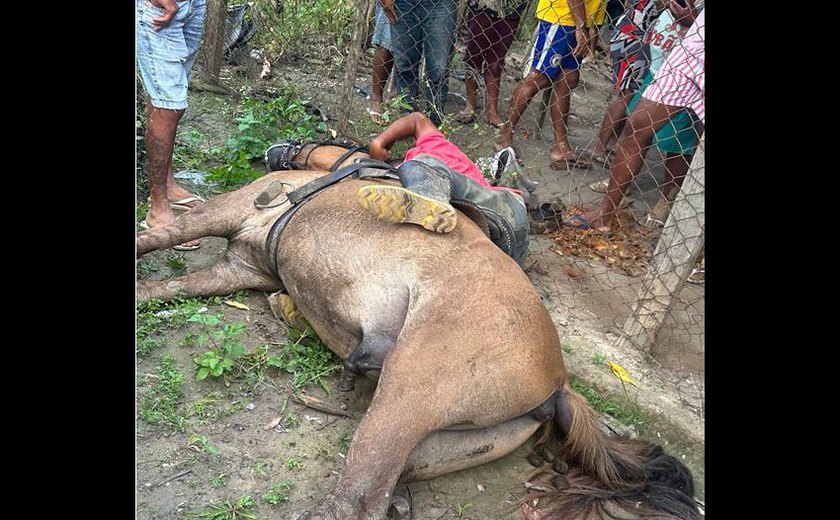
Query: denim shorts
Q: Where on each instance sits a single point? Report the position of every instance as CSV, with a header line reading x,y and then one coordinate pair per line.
x,y
382,30
166,57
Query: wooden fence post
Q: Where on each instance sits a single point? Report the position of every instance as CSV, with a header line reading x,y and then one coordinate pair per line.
x,y
679,245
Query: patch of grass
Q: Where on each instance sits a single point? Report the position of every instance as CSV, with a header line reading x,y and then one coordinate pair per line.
x,y
598,358
219,480
227,510
307,359
160,404
293,463
625,411
201,444
154,316
279,492
344,441
259,470
461,509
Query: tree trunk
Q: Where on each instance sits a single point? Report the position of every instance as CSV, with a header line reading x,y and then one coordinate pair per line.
x,y
679,245
214,38
351,67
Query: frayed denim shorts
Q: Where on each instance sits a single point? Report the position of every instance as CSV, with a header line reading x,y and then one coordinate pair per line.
x,y
166,57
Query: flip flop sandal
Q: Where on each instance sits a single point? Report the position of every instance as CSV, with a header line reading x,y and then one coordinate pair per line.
x,y
179,247
569,163
375,116
183,204
600,186
465,117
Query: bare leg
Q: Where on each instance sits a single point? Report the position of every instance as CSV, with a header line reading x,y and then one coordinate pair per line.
x,y
643,122
467,115
561,94
519,100
383,61
612,125
492,80
676,166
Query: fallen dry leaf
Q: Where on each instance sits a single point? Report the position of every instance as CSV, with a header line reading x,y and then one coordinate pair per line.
x,y
272,423
238,305
621,373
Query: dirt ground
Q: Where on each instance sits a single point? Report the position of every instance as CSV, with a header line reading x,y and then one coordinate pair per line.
x,y
226,451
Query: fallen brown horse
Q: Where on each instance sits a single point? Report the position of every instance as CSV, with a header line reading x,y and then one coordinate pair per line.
x,y
468,358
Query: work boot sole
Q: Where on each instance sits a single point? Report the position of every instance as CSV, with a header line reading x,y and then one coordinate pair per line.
x,y
398,205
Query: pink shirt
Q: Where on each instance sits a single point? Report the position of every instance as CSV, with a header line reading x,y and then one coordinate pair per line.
x,y
436,145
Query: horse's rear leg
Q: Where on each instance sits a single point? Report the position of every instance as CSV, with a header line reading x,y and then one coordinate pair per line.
x,y
447,451
230,274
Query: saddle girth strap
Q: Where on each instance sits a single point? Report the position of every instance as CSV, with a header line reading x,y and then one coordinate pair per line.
x,y
305,193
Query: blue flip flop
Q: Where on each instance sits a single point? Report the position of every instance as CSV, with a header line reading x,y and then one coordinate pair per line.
x,y
577,221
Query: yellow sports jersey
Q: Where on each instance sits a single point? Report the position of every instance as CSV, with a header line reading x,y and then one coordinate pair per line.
x,y
558,11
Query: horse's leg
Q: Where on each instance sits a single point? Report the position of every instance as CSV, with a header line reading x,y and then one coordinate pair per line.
x,y
446,451
230,274
395,423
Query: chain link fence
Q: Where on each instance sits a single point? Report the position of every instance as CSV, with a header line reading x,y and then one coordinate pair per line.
x,y
468,68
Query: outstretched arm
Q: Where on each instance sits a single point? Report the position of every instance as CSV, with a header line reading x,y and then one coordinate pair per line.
x,y
414,125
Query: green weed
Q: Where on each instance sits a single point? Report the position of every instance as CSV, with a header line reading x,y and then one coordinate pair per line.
x,y
627,412
160,404
227,510
279,492
307,359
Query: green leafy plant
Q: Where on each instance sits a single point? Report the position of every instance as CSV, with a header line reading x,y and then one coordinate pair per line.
x,y
154,316
259,470
279,492
226,348
598,359
461,509
218,481
293,463
227,510
344,441
260,124
201,444
307,359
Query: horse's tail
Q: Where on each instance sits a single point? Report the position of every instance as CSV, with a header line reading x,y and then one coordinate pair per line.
x,y
631,474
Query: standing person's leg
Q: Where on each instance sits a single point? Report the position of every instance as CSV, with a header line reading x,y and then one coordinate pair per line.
x,y
502,31
611,126
165,59
562,155
521,97
439,32
383,61
406,37
643,122
550,46
473,62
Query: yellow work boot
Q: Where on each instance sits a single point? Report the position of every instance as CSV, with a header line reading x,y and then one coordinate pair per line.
x,y
399,205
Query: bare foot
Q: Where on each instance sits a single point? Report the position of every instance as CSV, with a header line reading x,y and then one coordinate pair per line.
x,y
374,110
494,120
505,138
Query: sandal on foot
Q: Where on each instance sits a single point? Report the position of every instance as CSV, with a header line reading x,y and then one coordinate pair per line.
x,y
568,163
465,117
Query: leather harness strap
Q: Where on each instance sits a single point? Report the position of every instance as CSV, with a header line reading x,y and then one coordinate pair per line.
x,y
305,193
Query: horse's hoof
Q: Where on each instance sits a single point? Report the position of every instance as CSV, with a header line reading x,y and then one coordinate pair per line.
x,y
560,466
399,508
535,460
543,451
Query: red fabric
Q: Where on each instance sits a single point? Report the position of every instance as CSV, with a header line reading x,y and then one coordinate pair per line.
x,y
436,145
